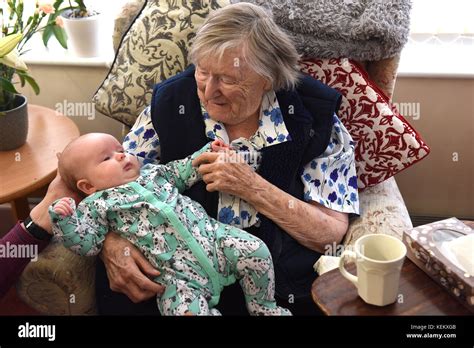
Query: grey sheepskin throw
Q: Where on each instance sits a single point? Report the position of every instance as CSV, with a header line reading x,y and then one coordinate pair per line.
x,y
358,29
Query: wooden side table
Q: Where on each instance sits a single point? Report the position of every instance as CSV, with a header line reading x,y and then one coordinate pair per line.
x,y
335,295
34,164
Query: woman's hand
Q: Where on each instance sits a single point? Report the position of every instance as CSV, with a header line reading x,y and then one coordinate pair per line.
x,y
128,270
57,189
225,172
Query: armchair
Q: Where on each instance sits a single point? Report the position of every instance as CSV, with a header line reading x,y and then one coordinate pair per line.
x,y
62,283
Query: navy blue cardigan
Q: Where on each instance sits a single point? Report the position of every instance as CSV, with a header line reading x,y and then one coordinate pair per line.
x,y
307,113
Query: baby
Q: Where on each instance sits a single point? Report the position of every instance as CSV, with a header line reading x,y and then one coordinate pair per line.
x,y
196,255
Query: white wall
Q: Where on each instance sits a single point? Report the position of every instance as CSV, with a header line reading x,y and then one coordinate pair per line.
x,y
442,183
77,84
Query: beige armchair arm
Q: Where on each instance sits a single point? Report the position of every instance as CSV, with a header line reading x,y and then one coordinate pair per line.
x,y
59,283
382,210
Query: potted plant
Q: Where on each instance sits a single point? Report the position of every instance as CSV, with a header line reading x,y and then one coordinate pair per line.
x,y
13,108
15,33
81,26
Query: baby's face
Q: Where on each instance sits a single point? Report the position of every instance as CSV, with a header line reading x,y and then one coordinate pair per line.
x,y
105,163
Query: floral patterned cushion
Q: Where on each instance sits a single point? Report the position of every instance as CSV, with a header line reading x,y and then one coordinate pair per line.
x,y
385,142
154,48
124,20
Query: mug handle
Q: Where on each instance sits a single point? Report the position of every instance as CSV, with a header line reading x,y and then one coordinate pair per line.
x,y
351,256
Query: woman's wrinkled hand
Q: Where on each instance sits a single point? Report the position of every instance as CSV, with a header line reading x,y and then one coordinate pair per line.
x,y
128,270
226,172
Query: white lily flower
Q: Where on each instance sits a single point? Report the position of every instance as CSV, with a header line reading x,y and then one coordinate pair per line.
x,y
13,60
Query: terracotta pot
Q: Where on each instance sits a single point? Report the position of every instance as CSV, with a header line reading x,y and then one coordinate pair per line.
x,y
14,125
83,34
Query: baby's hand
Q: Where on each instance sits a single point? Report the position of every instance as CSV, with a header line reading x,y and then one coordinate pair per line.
x,y
219,146
63,207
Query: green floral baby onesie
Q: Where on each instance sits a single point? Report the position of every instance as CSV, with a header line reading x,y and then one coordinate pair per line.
x,y
196,255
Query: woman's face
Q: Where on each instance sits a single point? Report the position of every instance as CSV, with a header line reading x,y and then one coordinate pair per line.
x,y
230,91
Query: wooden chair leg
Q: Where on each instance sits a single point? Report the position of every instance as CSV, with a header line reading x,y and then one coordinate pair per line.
x,y
20,208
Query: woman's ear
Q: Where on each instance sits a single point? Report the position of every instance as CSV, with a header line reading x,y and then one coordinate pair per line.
x,y
85,186
268,85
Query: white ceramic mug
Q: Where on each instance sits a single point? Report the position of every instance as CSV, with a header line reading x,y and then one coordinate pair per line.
x,y
379,259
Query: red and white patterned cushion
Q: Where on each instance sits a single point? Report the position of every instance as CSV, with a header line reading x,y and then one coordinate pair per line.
x,y
385,142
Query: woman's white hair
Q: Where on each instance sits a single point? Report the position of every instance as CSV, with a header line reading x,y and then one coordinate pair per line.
x,y
266,48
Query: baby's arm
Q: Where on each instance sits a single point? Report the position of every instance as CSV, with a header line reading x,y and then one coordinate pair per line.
x,y
181,173
83,229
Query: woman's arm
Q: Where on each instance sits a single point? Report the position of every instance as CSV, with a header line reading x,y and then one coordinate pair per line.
x,y
311,224
11,268
330,191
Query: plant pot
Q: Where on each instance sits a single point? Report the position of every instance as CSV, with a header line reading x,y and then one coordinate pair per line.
x,y
83,34
14,125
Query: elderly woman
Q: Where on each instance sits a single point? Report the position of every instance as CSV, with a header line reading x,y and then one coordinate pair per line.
x,y
294,184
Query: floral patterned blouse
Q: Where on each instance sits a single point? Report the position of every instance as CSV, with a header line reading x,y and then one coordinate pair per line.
x,y
329,179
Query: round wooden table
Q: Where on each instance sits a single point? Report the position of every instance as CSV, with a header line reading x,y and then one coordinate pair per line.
x,y
335,295
33,165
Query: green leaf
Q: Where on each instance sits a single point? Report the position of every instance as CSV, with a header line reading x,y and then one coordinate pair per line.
x,y
33,84
60,35
22,80
81,5
7,85
57,3
31,81
47,32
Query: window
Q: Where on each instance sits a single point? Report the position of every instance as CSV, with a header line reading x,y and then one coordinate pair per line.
x,y
441,41
55,54
442,21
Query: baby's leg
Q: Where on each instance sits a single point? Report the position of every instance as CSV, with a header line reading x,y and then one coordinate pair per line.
x,y
252,264
180,299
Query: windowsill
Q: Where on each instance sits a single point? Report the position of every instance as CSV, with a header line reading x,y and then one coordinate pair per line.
x,y
436,60
68,59
54,54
